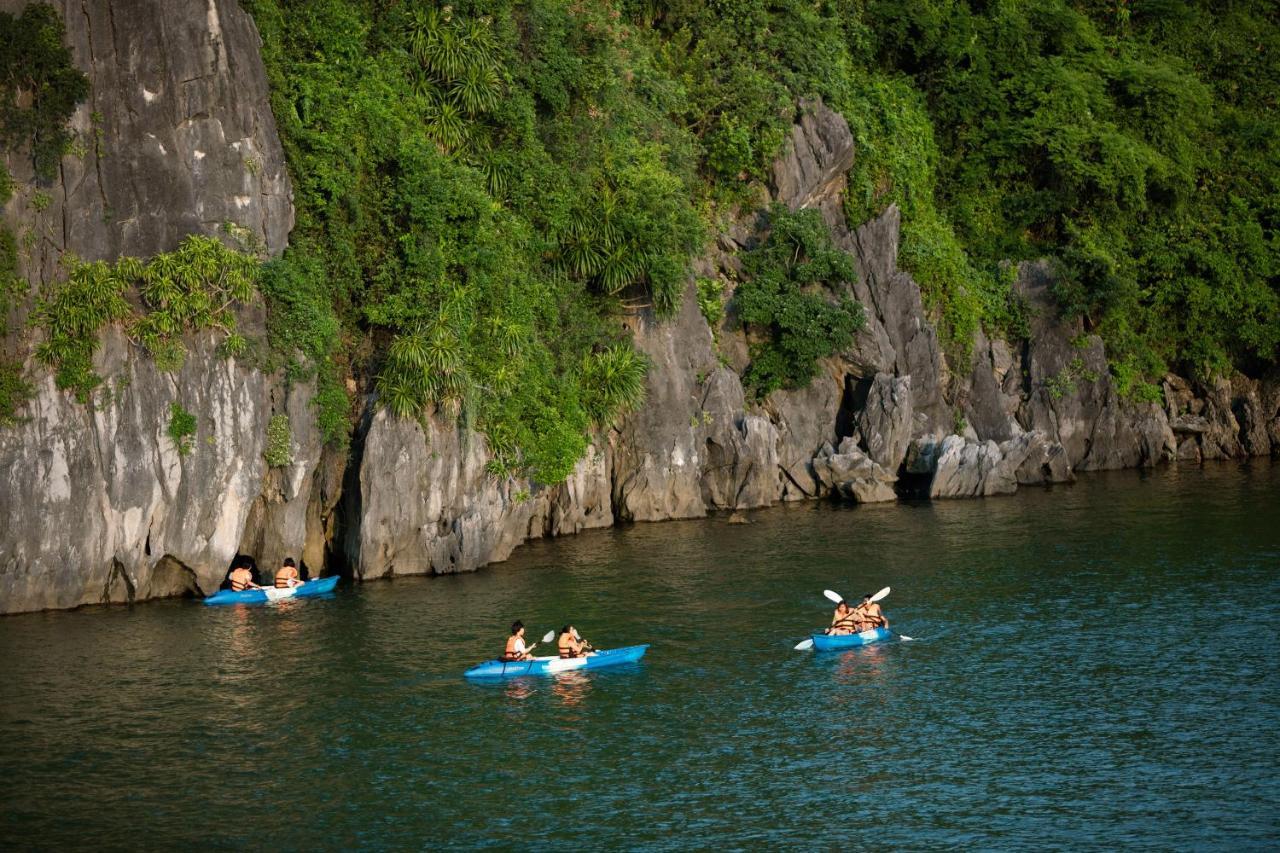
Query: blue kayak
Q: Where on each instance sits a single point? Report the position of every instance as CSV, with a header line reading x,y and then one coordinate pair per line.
x,y
262,596
827,642
552,665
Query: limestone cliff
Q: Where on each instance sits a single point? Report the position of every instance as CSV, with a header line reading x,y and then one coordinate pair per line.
x,y
176,137
100,505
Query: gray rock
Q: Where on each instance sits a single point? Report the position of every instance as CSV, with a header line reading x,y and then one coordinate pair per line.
x,y
100,506
885,422
851,474
988,409
740,451
1071,397
657,453
900,339
966,468
187,138
1045,461
428,504
815,160
806,420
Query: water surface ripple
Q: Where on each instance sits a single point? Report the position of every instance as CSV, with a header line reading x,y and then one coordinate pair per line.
x,y
1096,665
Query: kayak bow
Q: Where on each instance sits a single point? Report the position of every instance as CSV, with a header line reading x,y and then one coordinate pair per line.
x,y
552,665
262,596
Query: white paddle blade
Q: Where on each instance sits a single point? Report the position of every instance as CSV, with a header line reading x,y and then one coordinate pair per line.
x,y
881,594
905,638
549,636
804,645
833,596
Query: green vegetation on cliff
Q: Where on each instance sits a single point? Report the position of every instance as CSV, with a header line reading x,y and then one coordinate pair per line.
x,y
39,87
482,186
783,297
1137,143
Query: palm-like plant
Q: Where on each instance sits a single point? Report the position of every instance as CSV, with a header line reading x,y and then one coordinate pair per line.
x,y
613,382
476,89
445,124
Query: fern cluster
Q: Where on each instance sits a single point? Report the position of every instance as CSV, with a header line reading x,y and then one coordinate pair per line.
x,y
193,288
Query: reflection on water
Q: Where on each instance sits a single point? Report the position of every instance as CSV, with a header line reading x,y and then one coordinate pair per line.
x,y
571,688
520,688
1059,697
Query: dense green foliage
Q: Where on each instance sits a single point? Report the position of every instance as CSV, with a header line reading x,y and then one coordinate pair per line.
x,y
788,298
479,187
482,187
182,429
279,452
39,87
193,288
1138,143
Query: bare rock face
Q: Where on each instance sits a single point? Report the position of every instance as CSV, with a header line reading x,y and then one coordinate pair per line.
x,y
428,504
177,135
896,311
978,469
806,420
100,504
884,423
851,474
288,515
1045,461
740,450
657,455
813,165
1070,394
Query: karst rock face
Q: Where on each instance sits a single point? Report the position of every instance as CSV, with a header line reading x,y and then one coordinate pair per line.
x,y
176,136
100,505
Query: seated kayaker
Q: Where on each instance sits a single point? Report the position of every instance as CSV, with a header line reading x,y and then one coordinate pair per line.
x,y
287,574
241,579
842,621
570,644
868,615
516,649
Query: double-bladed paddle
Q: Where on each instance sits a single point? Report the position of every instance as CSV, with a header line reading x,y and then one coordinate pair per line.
x,y
836,597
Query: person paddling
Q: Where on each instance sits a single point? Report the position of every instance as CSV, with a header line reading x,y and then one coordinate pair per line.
x,y
287,574
868,615
242,578
570,644
843,620
516,649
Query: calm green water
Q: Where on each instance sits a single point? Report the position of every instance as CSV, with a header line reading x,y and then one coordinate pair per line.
x,y
1095,666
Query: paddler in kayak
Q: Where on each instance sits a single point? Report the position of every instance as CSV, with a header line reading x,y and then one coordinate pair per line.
x,y
868,615
287,574
516,649
570,644
241,578
843,620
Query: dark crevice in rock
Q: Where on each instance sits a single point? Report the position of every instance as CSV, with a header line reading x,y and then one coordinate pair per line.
x,y
171,578
342,551
118,572
853,401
